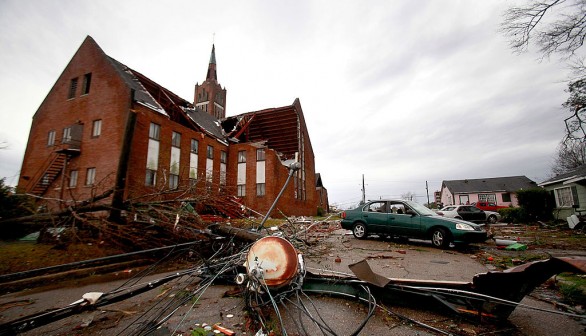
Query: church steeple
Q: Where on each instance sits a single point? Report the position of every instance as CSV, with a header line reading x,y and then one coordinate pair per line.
x,y
212,75
210,96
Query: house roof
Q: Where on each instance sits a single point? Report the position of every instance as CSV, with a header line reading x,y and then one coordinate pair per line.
x,y
502,184
318,182
573,175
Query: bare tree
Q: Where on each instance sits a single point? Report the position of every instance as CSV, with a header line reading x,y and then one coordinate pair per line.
x,y
570,155
408,196
555,26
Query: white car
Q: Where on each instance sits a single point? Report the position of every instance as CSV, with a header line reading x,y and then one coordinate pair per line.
x,y
470,213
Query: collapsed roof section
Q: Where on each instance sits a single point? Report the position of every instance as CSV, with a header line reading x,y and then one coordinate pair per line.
x,y
154,96
280,128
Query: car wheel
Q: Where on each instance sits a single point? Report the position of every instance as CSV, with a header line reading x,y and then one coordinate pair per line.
x,y
359,230
492,219
440,238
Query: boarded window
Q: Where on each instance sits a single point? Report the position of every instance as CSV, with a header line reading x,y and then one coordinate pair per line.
x,y
72,88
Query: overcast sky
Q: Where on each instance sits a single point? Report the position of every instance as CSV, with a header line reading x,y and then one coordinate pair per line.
x,y
403,92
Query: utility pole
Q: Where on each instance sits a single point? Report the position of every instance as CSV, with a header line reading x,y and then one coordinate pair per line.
x,y
427,190
363,191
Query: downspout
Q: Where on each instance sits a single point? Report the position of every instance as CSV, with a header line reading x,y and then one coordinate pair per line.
x,y
122,171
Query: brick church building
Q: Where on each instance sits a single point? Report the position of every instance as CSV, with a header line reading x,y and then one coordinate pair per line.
x,y
104,126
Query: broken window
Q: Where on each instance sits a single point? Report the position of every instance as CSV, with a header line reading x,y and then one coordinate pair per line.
x,y
85,87
194,146
564,197
72,88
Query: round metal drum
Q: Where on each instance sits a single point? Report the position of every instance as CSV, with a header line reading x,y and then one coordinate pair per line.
x,y
272,260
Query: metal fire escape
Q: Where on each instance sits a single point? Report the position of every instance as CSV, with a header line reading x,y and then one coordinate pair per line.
x,y
56,163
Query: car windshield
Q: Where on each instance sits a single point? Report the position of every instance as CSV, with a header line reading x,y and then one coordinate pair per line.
x,y
422,210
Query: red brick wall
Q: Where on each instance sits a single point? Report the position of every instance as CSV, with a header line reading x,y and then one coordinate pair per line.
x,y
107,100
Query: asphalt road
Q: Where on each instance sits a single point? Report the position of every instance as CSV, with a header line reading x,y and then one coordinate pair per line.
x,y
413,260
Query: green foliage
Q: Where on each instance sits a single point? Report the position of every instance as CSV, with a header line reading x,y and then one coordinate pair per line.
x,y
512,215
536,204
12,206
572,293
320,212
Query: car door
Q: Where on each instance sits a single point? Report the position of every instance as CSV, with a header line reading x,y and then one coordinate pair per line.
x,y
401,222
477,215
376,216
471,213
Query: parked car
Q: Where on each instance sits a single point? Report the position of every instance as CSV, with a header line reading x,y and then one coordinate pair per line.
x,y
470,213
488,206
411,220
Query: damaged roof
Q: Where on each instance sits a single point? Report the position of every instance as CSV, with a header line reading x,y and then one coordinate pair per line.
x,y
503,184
141,95
575,175
280,128
154,96
206,122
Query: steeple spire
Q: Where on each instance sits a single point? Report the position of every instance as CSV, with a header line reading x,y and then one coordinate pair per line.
x,y
212,75
210,97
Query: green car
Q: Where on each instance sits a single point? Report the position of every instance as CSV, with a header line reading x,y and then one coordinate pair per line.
x,y
412,220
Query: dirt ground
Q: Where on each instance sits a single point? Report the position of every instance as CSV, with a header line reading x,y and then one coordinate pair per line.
x,y
332,250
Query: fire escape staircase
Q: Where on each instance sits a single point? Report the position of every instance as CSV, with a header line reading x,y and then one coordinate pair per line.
x,y
49,174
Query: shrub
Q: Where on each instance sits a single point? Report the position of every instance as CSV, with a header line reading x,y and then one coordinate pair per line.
x,y
320,212
536,203
512,215
12,206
